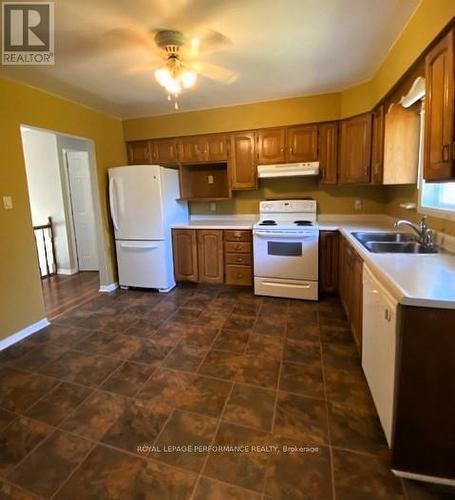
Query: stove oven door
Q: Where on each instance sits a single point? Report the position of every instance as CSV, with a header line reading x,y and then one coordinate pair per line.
x,y
286,255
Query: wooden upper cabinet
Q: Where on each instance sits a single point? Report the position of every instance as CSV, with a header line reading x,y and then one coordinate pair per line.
x,y
439,146
210,256
271,146
377,145
302,143
242,160
164,151
216,147
328,152
139,152
193,149
355,150
184,243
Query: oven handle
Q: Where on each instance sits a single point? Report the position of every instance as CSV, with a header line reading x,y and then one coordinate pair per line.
x,y
283,236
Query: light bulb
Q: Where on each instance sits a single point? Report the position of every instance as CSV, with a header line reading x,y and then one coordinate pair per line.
x,y
163,76
188,79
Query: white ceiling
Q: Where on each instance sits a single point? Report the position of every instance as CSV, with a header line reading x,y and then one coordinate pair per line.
x,y
279,49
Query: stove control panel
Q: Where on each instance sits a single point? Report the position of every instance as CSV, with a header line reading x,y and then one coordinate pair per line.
x,y
286,206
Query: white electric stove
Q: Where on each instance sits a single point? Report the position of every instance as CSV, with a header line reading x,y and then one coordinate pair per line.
x,y
285,242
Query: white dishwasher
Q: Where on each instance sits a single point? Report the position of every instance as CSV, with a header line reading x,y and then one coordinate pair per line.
x,y
379,347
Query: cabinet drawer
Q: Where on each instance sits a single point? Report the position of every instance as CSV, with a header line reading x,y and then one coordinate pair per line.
x,y
237,247
237,235
241,259
239,275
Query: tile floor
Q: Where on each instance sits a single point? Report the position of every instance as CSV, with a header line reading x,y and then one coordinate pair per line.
x,y
90,406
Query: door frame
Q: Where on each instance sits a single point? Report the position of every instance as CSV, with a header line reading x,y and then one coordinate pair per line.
x,y
102,243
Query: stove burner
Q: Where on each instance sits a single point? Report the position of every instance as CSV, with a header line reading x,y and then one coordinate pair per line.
x,y
303,223
268,223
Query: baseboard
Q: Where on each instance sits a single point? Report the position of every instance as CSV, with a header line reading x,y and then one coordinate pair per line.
x,y
424,477
68,272
109,288
22,334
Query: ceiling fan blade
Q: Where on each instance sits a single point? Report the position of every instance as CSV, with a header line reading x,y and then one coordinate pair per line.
x,y
213,72
203,44
146,67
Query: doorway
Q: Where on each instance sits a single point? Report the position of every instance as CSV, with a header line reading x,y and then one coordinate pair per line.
x,y
63,191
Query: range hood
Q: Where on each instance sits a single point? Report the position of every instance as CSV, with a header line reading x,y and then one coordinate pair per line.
x,y
288,169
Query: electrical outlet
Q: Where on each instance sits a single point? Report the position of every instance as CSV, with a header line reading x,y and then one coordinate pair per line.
x,y
210,179
213,207
358,204
7,202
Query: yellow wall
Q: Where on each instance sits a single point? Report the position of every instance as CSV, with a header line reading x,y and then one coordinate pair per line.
x,y
20,288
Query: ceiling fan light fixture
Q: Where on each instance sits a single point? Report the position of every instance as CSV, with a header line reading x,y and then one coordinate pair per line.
x,y
188,78
164,77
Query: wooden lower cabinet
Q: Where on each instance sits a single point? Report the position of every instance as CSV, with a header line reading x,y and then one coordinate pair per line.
x,y
328,261
351,287
184,242
210,256
213,256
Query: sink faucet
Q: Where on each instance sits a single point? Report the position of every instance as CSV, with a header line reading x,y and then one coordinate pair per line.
x,y
425,234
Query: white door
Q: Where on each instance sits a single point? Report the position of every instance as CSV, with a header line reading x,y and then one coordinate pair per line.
x,y
82,209
135,200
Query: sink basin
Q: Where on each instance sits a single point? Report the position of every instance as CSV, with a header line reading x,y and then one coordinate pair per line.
x,y
392,237
397,247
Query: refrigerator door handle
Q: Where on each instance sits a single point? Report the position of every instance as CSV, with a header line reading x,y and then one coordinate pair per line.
x,y
112,203
138,245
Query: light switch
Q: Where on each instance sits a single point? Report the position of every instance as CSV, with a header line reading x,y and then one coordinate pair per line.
x,y
213,207
358,204
210,179
7,202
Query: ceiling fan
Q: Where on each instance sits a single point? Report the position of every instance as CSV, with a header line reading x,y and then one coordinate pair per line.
x,y
175,57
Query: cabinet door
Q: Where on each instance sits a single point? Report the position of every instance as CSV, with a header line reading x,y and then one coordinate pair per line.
x,y
165,151
270,146
357,298
210,256
328,153
377,146
242,161
193,149
439,111
185,254
216,147
302,143
328,261
139,153
355,150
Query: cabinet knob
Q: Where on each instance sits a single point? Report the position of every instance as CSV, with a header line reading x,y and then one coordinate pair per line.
x,y
445,153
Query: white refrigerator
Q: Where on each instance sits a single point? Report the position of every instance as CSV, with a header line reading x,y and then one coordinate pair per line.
x,y
143,203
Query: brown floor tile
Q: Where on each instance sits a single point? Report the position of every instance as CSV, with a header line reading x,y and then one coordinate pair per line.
x,y
239,323
110,344
251,406
186,356
231,340
57,404
299,474
169,334
19,390
51,463
348,387
96,415
205,395
12,354
186,314
81,368
208,489
221,364
114,323
200,335
6,417
301,418
55,334
337,335
242,469
247,309
259,370
145,328
17,440
107,473
304,312
305,379
353,428
12,492
300,330
273,325
139,424
128,379
341,357
39,356
150,353
264,345
302,351
185,429
363,476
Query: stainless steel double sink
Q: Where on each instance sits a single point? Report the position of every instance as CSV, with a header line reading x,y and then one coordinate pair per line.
x,y
391,242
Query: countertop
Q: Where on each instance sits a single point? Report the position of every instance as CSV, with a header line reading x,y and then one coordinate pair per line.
x,y
422,280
